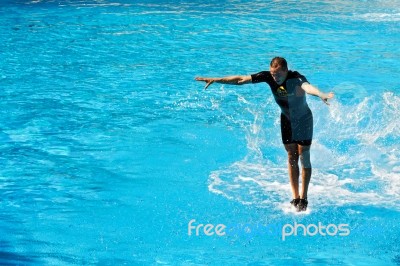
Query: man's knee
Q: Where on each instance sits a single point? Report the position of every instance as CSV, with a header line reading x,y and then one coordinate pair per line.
x,y
292,151
293,157
305,158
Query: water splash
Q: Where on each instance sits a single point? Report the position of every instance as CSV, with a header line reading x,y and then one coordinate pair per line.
x,y
355,155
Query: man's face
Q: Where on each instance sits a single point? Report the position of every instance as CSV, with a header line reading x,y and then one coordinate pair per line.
x,y
279,74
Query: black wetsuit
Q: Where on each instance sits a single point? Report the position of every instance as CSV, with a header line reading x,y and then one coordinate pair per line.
x,y
296,116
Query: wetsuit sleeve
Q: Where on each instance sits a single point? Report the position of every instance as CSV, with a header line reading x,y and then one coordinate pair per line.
x,y
302,79
260,77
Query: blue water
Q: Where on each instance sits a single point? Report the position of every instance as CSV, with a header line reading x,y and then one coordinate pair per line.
x,y
109,148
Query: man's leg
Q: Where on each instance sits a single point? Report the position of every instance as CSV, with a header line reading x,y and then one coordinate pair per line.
x,y
304,153
293,167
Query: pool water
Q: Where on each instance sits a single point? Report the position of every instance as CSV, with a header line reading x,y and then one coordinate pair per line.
x,y
109,147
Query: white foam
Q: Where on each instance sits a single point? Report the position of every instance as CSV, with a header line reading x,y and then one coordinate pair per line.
x,y
380,17
355,161
288,209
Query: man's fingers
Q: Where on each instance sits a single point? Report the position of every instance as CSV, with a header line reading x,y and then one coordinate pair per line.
x,y
325,100
208,84
207,80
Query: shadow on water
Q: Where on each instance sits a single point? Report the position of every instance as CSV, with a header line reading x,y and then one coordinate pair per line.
x,y
13,258
396,260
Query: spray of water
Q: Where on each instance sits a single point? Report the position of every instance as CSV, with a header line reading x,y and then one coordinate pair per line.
x,y
355,153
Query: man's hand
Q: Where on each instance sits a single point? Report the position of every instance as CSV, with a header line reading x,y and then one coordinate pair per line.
x,y
310,89
325,96
208,81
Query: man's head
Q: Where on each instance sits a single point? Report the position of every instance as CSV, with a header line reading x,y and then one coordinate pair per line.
x,y
279,69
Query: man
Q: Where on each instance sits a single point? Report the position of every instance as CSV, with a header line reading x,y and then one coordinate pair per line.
x,y
289,89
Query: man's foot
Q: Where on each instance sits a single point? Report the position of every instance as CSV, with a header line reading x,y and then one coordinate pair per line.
x,y
302,205
295,202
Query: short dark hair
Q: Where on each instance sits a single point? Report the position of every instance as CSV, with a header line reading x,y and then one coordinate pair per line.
x,y
278,62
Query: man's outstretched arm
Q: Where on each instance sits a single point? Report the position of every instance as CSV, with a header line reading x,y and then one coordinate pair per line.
x,y
310,89
234,80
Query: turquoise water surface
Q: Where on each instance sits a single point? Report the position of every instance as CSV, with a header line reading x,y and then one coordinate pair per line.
x,y
109,147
